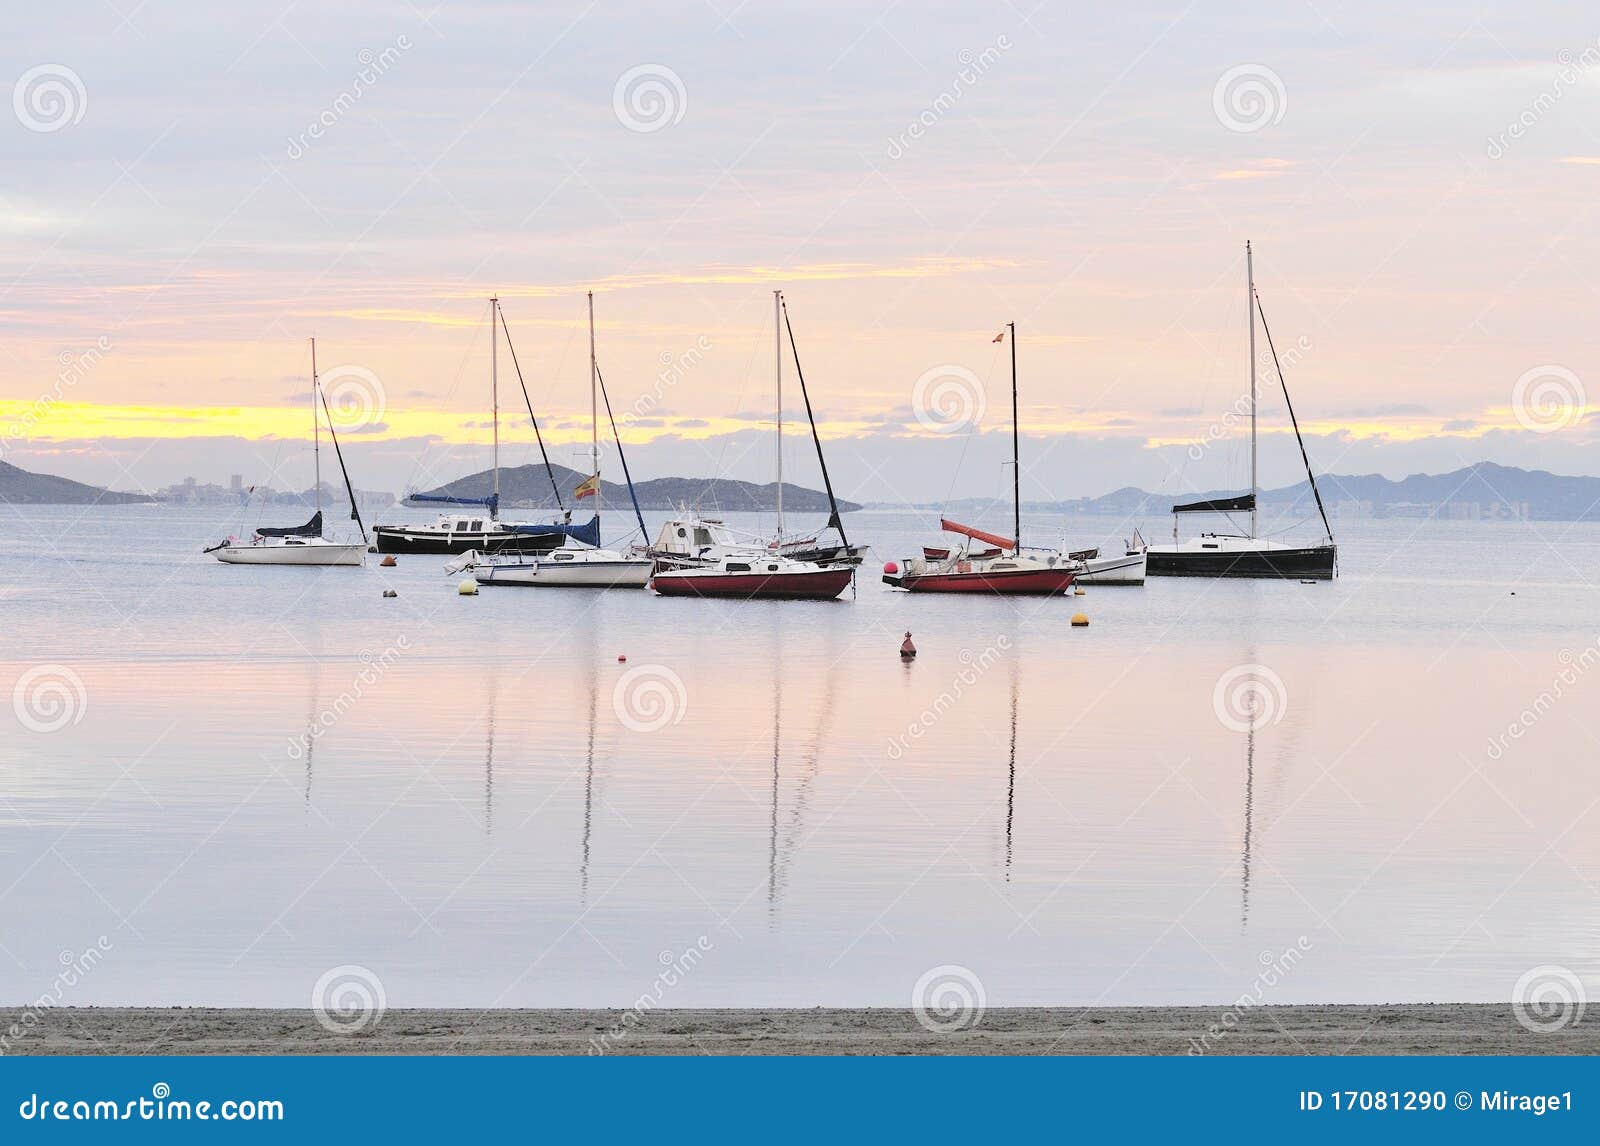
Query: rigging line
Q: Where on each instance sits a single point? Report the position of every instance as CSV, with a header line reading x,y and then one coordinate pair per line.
x,y
1293,421
834,519
355,511
556,489
644,535
417,462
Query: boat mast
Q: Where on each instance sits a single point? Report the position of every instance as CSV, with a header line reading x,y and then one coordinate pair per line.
x,y
316,429
494,392
594,412
1250,305
777,368
1016,461
834,520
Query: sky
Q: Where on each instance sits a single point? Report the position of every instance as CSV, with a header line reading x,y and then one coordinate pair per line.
x,y
190,194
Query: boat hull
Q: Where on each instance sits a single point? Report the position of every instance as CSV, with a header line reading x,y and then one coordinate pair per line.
x,y
1314,562
1018,582
810,585
587,575
403,539
292,554
1126,570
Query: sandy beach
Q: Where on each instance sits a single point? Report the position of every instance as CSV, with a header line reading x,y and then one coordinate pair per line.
x,y
1455,1028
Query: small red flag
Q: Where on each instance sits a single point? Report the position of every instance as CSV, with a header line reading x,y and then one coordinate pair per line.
x,y
1001,337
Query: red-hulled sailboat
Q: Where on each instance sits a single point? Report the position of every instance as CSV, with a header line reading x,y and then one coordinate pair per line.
x,y
1003,566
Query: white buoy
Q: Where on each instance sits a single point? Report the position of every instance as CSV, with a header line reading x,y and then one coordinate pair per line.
x,y
468,588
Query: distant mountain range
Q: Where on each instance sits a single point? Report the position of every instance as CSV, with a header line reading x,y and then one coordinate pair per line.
x,y
1484,490
528,487
20,487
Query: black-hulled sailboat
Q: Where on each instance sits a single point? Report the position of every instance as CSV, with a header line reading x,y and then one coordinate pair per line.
x,y
303,544
1246,554
462,530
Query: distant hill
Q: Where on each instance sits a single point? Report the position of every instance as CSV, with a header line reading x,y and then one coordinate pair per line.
x,y
1484,490
20,487
528,487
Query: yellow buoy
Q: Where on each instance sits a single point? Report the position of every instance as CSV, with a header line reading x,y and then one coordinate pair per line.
x,y
468,588
1079,620
1078,592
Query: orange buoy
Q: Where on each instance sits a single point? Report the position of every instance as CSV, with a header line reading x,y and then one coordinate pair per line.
x,y
622,660
907,649
388,562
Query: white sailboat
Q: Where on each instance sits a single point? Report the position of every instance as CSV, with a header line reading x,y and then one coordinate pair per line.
x,y
574,564
302,544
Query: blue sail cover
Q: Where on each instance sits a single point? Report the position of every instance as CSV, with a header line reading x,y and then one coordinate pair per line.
x,y
588,534
492,501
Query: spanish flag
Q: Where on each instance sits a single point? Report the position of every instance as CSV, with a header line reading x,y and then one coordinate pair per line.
x,y
587,488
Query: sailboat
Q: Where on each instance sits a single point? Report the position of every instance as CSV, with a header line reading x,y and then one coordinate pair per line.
x,y
690,540
1003,565
575,563
463,532
303,544
696,557
1247,554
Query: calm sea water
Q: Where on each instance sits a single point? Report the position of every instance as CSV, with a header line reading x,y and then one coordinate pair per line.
x,y
244,778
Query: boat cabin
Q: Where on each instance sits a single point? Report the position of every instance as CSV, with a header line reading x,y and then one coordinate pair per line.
x,y
693,536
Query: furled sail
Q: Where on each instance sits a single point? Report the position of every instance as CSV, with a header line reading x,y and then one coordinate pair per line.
x,y
1241,504
312,528
976,534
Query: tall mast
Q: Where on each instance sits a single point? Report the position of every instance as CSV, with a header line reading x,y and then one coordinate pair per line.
x,y
1250,305
777,367
494,389
316,429
1016,453
594,412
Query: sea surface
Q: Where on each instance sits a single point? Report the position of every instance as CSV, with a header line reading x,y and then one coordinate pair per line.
x,y
235,783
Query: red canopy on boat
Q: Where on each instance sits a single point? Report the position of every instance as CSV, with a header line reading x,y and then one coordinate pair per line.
x,y
976,534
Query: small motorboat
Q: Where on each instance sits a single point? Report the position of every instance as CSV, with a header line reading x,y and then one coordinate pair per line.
x,y
750,577
571,566
1128,568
